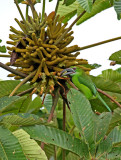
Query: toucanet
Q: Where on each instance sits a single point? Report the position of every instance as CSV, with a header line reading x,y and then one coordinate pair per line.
x,y
84,83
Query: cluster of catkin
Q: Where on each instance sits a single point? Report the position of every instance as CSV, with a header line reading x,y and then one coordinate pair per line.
x,y
34,48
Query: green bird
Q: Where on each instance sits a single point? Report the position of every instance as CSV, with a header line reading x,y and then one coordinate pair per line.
x,y
83,82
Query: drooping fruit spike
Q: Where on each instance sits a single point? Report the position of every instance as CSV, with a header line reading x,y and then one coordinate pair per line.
x,y
33,49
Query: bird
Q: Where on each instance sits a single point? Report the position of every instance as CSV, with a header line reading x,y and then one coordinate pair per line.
x,y
84,83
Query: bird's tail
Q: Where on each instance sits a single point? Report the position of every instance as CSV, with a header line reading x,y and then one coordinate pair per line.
x,y
100,98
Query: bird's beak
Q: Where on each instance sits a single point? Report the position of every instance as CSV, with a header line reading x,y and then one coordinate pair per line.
x,y
67,71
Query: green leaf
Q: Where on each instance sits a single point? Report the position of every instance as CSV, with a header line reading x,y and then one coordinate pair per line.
x,y
111,142
98,6
6,87
104,147
10,148
34,105
118,70
10,104
116,56
57,137
38,1
112,75
101,126
117,7
48,102
69,2
25,104
3,49
116,119
72,156
115,153
19,1
86,4
0,40
6,101
92,66
106,85
30,147
67,11
49,150
115,135
18,120
82,114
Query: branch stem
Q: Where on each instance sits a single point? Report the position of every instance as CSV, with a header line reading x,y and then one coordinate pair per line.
x,y
32,8
3,55
56,8
99,43
99,90
26,91
107,95
12,70
43,10
20,11
27,10
22,82
55,101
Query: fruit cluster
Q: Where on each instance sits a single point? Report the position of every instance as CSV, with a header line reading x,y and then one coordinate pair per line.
x,y
35,49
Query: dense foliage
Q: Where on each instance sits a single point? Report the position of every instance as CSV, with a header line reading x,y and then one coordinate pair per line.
x,y
60,123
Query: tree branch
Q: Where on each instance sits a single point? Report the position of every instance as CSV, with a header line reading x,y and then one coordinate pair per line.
x,y
26,91
99,90
4,55
43,10
12,70
55,101
22,82
99,43
56,8
107,95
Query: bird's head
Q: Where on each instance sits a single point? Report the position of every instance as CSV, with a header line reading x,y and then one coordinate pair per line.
x,y
68,72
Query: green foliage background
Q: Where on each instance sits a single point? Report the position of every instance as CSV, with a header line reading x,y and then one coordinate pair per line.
x,y
23,120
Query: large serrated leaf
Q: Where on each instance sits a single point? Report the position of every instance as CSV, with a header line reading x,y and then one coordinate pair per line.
x,y
59,138
72,156
115,154
69,2
116,119
18,120
101,126
11,104
48,102
34,105
86,4
116,56
67,11
82,114
106,85
112,75
117,7
110,141
49,150
6,87
30,147
10,147
98,6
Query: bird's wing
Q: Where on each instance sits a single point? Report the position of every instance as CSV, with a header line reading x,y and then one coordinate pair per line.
x,y
85,79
